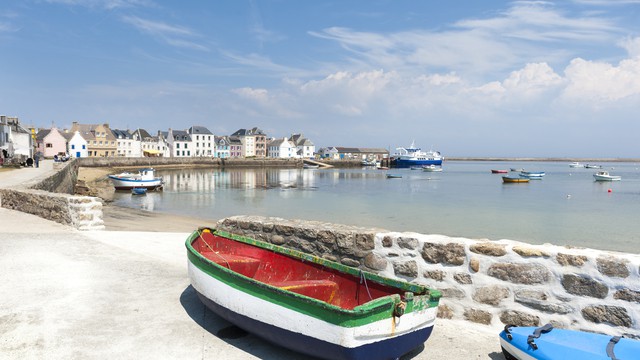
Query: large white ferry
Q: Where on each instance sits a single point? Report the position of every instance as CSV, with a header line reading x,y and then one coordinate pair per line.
x,y
413,156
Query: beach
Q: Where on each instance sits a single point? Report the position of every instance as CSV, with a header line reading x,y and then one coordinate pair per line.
x,y
124,293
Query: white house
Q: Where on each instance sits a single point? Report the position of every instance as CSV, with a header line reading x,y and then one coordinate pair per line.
x,y
22,139
305,147
203,141
78,145
127,145
180,144
281,149
222,147
329,153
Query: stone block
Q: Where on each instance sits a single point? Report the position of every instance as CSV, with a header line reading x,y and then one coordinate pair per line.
x,y
445,312
489,248
491,295
277,239
613,315
447,254
350,262
573,260
407,268
474,264
408,243
454,293
584,286
437,275
387,241
478,316
375,262
526,251
539,300
365,241
520,273
627,295
519,318
613,267
462,278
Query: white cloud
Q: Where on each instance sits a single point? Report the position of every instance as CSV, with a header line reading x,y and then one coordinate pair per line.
x,y
599,83
632,45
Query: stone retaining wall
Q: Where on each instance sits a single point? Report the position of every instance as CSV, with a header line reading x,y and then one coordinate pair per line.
x,y
488,282
159,162
53,199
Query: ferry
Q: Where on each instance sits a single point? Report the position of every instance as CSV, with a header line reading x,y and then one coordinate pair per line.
x,y
413,156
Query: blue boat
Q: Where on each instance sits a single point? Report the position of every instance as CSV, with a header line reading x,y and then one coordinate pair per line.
x,y
533,175
138,191
413,156
547,343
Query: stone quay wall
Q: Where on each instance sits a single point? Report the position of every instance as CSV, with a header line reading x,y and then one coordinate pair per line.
x,y
53,199
488,282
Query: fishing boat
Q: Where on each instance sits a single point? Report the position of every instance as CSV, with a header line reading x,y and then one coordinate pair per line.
x,y
605,176
547,343
411,156
576,165
509,179
499,171
138,191
310,166
432,168
593,166
532,175
517,169
394,176
145,178
306,303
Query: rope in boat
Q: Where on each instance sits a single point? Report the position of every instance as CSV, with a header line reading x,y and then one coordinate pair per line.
x,y
363,279
210,248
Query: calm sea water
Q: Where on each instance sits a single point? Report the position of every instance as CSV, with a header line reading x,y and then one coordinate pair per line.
x,y
567,207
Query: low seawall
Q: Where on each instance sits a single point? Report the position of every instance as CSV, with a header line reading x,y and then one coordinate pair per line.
x,y
53,198
488,282
160,162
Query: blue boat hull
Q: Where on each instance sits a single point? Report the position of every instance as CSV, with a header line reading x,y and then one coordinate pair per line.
x,y
560,344
403,163
385,349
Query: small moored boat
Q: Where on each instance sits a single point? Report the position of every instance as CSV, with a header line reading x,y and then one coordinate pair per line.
x,y
508,179
605,176
138,191
499,171
306,303
517,169
145,178
547,343
532,175
432,168
576,165
394,176
593,166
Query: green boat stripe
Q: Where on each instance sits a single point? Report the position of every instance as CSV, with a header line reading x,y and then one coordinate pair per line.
x,y
373,311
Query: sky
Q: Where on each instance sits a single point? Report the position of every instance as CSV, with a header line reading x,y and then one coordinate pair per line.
x,y
467,78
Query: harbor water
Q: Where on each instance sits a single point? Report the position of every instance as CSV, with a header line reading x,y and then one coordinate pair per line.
x,y
566,207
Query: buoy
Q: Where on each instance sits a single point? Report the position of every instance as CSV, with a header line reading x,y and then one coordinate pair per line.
x,y
569,196
609,190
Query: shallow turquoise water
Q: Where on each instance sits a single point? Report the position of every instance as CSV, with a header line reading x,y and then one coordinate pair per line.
x,y
567,207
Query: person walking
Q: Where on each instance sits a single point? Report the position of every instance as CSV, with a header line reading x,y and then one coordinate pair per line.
x,y
36,158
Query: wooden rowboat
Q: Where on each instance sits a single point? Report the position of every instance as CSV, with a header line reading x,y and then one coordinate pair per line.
x,y
547,343
306,303
508,179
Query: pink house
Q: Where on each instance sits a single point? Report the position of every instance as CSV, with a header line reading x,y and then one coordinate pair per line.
x,y
51,142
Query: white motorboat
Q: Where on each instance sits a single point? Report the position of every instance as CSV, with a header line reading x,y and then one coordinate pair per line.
x,y
145,178
605,176
576,165
432,168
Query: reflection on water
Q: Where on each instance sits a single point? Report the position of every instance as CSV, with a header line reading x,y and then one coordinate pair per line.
x,y
566,207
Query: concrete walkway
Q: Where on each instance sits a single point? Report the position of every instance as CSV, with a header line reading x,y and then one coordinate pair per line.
x,y
25,176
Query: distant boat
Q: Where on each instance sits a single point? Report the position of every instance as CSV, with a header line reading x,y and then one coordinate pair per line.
x,y
138,191
533,175
416,167
605,176
309,166
432,168
407,157
559,344
307,303
517,169
499,171
145,178
369,162
576,165
394,176
382,168
593,166
507,179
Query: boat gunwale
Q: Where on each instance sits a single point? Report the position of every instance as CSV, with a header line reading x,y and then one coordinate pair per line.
x,y
427,296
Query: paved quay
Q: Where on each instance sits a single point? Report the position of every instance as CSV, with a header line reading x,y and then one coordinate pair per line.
x,y
68,294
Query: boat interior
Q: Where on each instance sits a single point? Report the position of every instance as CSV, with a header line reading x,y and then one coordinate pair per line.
x,y
292,274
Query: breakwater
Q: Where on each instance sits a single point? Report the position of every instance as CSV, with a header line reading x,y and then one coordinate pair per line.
x,y
53,198
488,282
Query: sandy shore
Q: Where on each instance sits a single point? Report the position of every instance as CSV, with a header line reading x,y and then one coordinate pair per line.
x,y
126,219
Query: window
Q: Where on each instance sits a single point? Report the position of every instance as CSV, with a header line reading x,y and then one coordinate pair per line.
x,y
49,145
73,146
83,146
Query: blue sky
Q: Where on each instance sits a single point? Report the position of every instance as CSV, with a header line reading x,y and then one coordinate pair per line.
x,y
468,78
